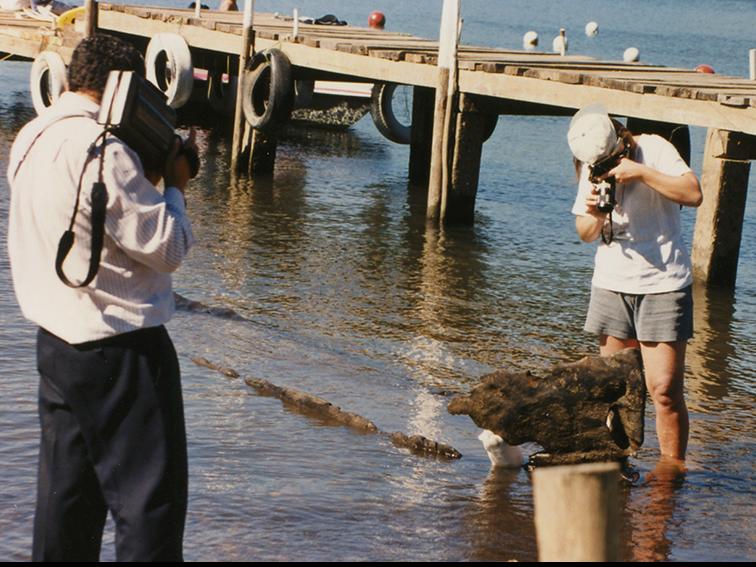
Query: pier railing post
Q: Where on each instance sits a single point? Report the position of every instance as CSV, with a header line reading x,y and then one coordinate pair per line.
x,y
577,512
246,42
719,219
442,122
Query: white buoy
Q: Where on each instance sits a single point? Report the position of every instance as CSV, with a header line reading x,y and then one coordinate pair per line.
x,y
559,44
631,54
530,40
591,29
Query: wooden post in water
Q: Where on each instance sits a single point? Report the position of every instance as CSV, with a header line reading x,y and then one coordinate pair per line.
x,y
421,135
577,512
239,121
471,128
447,64
719,219
90,7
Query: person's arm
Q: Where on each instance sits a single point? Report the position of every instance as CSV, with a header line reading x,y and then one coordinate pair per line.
x,y
682,189
589,225
151,228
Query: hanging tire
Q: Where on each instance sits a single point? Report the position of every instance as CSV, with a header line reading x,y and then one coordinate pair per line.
x,y
384,117
48,79
169,67
268,90
221,96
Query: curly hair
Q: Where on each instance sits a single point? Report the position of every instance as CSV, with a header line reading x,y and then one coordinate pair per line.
x,y
95,57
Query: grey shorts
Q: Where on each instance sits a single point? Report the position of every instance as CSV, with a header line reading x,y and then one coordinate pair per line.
x,y
654,317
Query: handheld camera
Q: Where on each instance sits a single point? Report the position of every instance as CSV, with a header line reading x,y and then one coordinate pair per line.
x,y
607,186
134,109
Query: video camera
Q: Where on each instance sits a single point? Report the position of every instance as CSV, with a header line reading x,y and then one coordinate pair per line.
x,y
606,185
134,109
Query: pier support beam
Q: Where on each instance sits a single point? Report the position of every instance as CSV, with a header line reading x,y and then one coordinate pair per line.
x,y
258,151
421,135
719,220
471,129
90,9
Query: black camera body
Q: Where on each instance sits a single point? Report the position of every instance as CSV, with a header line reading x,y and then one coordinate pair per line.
x,y
135,110
607,186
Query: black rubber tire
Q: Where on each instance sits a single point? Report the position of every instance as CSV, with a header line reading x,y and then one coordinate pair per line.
x,y
385,120
268,90
383,114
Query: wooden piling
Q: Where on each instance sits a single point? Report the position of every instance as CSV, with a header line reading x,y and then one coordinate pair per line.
x,y
719,219
445,86
244,53
421,135
261,152
577,512
90,7
470,131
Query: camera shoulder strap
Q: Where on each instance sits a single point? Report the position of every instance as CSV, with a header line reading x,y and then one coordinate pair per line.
x,y
99,201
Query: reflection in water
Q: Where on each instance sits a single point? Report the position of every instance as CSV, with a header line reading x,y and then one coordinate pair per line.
x,y
710,353
651,510
501,512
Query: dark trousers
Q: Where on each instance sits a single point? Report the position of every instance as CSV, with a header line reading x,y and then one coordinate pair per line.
x,y
113,438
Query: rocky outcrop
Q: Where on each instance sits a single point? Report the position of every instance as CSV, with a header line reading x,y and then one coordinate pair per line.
x,y
589,410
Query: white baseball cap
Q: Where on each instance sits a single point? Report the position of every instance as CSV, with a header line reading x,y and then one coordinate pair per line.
x,y
592,135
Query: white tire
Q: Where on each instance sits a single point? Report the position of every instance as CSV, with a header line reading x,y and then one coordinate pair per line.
x,y
48,79
169,67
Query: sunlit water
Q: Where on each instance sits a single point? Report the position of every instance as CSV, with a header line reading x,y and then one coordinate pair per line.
x,y
348,296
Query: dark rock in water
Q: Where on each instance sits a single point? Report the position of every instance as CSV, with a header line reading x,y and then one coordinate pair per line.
x,y
589,410
423,446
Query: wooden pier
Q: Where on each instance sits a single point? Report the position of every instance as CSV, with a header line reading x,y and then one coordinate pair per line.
x,y
489,82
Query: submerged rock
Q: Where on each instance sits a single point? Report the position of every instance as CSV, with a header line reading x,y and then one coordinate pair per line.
x,y
589,410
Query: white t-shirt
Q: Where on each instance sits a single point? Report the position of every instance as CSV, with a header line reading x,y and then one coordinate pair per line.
x,y
648,253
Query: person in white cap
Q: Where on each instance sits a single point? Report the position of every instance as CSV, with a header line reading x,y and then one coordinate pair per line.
x,y
641,288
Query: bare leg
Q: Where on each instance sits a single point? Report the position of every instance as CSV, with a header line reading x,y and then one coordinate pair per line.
x,y
609,345
664,365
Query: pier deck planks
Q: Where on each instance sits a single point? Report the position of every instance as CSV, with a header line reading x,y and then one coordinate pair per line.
x,y
627,89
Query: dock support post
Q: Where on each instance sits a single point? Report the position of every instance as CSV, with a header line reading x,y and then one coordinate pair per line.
x,y
470,131
442,120
90,7
246,42
421,135
259,150
719,219
577,512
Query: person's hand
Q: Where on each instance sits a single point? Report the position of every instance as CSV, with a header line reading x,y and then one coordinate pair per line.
x,y
626,170
591,204
153,176
177,171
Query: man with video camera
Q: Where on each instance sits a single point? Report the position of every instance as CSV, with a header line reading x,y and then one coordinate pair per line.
x,y
630,192
110,403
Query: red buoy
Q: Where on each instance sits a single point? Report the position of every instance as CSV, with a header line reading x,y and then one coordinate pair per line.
x,y
704,68
377,20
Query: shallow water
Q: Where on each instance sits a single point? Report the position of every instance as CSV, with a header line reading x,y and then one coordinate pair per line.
x,y
346,295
